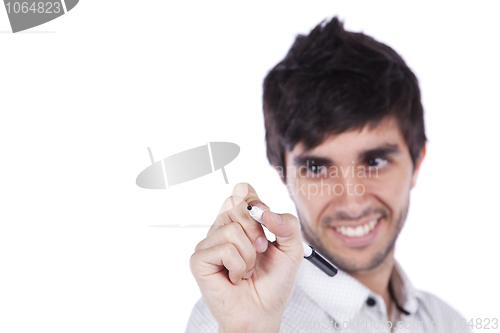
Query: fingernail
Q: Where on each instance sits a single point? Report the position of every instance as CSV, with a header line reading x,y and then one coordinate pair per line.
x,y
261,244
238,281
248,275
276,218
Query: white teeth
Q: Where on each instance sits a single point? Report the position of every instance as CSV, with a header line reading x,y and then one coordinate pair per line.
x,y
359,230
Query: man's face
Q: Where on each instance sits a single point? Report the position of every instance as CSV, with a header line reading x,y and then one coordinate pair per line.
x,y
352,193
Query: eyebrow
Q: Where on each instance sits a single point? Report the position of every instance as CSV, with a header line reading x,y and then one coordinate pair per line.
x,y
383,150
303,159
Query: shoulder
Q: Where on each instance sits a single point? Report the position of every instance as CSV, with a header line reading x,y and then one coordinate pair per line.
x,y
432,304
201,320
437,309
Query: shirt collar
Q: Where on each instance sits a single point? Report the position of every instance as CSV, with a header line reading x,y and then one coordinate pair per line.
x,y
403,290
343,296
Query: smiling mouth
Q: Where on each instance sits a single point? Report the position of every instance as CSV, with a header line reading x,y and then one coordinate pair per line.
x,y
358,231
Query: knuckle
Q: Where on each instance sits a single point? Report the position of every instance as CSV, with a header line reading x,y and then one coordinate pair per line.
x,y
242,189
251,260
198,246
233,230
193,260
240,186
241,268
232,202
227,204
229,249
237,235
237,200
240,262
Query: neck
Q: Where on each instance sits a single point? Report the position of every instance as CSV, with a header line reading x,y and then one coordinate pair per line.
x,y
377,279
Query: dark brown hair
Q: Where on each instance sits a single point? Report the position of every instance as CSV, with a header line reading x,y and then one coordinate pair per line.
x,y
334,80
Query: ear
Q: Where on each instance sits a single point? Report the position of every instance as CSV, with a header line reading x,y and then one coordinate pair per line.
x,y
417,166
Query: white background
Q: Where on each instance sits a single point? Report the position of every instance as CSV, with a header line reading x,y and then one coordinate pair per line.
x,y
82,97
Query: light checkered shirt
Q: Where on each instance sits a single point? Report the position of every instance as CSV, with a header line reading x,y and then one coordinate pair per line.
x,y
320,303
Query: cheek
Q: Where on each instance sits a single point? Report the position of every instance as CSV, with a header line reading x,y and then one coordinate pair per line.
x,y
391,189
308,199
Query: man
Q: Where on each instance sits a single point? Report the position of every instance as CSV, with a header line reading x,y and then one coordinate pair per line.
x,y
345,131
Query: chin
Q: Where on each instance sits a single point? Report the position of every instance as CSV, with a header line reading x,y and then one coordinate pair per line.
x,y
357,255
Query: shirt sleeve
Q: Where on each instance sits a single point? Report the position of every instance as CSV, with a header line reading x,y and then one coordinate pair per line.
x,y
201,320
445,317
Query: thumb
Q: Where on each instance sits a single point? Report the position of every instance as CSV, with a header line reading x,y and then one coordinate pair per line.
x,y
286,227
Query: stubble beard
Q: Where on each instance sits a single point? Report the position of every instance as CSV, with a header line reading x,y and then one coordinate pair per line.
x,y
352,265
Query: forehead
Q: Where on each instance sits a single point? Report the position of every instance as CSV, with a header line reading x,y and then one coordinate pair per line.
x,y
354,142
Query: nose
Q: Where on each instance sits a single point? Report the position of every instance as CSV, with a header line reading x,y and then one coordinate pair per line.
x,y
350,194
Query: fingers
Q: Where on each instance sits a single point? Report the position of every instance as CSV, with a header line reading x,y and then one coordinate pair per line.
x,y
235,238
286,227
242,192
234,234
212,260
232,213
249,195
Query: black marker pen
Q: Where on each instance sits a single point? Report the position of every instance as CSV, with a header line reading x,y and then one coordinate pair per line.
x,y
309,253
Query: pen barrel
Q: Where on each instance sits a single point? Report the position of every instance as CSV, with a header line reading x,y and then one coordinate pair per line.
x,y
319,261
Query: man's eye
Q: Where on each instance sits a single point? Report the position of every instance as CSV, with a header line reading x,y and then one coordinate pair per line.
x,y
317,169
378,162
